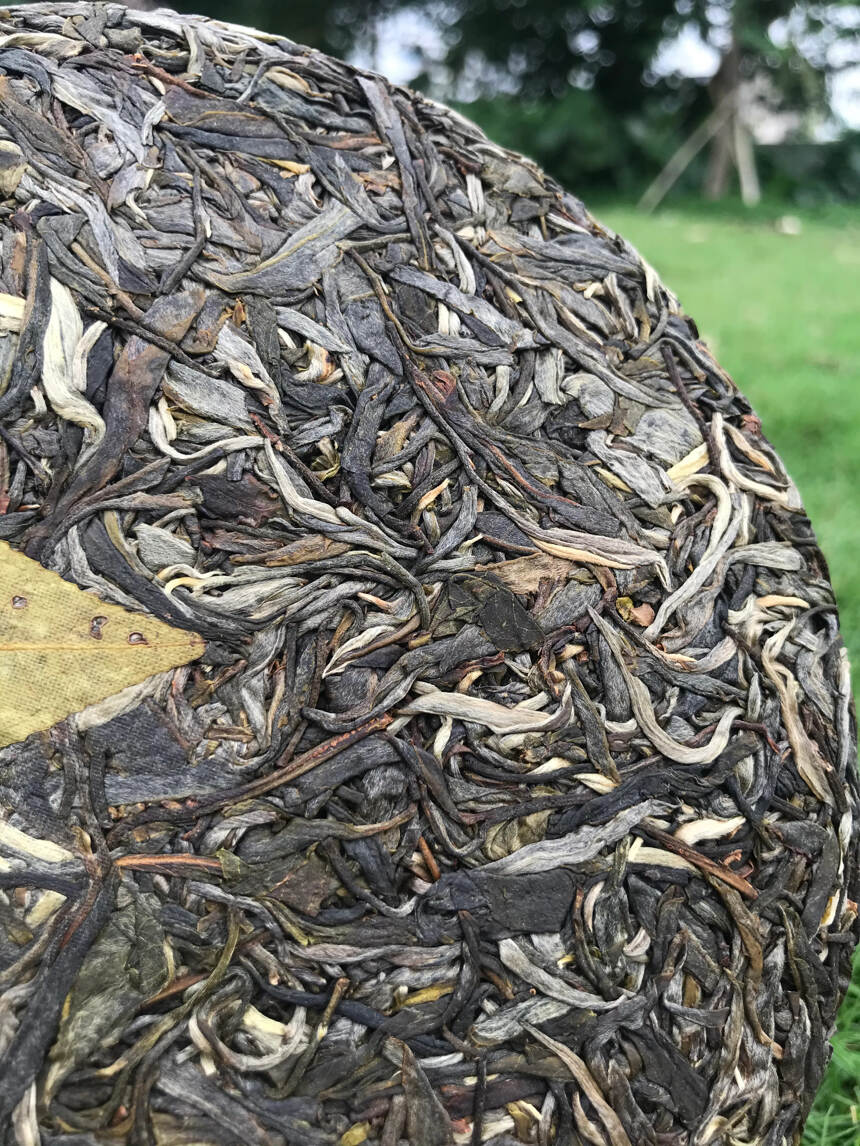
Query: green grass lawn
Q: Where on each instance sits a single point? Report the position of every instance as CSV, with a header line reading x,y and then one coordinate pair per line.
x,y
782,314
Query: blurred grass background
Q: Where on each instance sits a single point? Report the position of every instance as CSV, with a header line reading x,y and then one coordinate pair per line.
x,y
780,312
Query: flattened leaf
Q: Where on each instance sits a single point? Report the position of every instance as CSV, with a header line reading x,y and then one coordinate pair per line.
x,y
507,623
300,883
306,886
427,1122
637,614
125,965
508,837
524,574
62,649
301,260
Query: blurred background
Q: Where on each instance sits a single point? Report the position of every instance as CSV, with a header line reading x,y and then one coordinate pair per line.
x,y
722,137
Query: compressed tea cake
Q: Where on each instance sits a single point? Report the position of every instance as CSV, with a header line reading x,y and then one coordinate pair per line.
x,y
424,715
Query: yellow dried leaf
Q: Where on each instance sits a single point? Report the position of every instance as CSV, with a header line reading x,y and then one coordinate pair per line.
x,y
284,78
525,1116
62,649
428,994
11,308
636,614
289,168
355,1135
624,605
431,495
12,166
690,464
505,839
47,905
45,850
612,479
569,553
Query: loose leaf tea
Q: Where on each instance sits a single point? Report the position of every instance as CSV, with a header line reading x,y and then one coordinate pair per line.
x,y
497,783
62,649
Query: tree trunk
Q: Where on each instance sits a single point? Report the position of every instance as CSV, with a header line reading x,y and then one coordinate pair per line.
x,y
683,157
745,160
724,86
720,161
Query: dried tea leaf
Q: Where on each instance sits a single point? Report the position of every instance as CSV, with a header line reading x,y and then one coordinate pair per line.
x,y
524,574
507,838
641,615
63,649
522,667
427,1123
12,166
125,965
507,623
11,311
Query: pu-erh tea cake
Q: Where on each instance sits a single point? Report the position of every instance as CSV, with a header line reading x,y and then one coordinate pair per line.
x,y
423,715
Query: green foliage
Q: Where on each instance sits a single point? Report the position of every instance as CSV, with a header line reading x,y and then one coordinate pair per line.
x,y
579,141
539,47
335,26
582,142
813,173
835,1117
576,139
796,73
574,85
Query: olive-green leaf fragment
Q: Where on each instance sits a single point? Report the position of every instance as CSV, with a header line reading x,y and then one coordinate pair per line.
x,y
506,838
232,866
306,886
508,625
62,649
125,966
427,1121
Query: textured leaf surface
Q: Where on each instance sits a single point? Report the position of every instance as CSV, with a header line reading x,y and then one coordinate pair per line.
x,y
62,649
125,965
